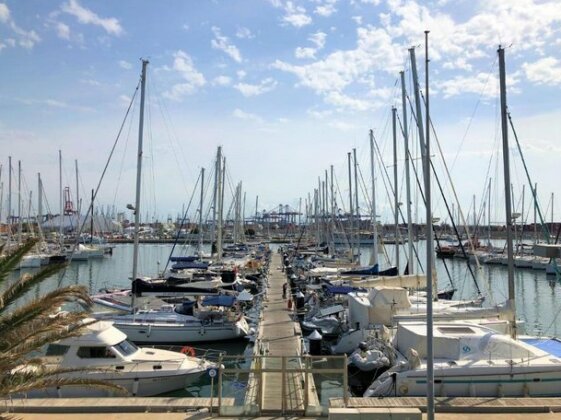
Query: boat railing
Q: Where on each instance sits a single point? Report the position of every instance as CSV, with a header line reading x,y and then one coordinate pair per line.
x,y
212,355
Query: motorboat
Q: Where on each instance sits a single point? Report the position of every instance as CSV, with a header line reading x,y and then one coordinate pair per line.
x,y
104,353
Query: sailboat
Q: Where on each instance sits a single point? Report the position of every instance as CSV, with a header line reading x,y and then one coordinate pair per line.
x,y
469,359
181,323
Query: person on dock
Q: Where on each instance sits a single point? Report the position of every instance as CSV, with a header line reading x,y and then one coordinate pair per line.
x,y
284,289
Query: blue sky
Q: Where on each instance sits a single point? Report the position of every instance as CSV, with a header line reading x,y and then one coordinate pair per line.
x,y
286,87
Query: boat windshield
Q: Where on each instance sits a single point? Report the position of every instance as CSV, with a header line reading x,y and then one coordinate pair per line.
x,y
126,348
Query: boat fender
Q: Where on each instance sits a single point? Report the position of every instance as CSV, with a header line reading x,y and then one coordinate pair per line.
x,y
135,387
190,351
403,389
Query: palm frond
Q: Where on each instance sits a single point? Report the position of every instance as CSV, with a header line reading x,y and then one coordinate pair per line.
x,y
44,307
32,337
26,282
13,258
20,385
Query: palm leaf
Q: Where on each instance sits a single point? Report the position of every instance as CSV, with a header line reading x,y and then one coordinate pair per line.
x,y
26,282
45,306
12,259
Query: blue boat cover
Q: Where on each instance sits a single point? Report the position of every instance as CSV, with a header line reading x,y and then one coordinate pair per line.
x,y
188,258
189,264
222,300
342,290
371,271
549,345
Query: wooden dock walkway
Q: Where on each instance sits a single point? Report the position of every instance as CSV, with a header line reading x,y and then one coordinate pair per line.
x,y
281,336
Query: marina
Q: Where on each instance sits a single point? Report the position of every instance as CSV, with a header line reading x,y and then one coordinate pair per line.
x,y
402,266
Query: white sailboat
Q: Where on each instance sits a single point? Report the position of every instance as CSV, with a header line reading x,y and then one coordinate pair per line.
x,y
173,323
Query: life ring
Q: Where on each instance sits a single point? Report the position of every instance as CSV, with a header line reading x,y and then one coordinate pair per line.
x,y
188,350
403,389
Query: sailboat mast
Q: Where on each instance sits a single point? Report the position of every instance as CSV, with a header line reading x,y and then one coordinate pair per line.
x,y
138,177
374,256
77,190
9,215
357,210
430,246
411,260
508,209
61,218
200,235
395,203
19,202
351,214
39,200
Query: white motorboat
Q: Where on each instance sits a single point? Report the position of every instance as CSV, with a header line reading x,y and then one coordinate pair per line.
x,y
141,371
470,360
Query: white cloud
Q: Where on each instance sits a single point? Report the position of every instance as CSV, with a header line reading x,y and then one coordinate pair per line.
x,y
296,15
26,39
222,43
222,81
125,65
329,77
62,30
238,113
326,9
357,19
301,52
544,71
244,33
86,16
264,86
345,102
4,13
192,79
241,74
318,39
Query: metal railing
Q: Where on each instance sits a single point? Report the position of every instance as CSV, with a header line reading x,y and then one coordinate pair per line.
x,y
280,384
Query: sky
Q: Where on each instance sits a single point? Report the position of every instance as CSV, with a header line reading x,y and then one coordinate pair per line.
x,y
287,88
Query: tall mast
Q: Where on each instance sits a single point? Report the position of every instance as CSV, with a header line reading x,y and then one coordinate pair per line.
x,y
61,218
219,245
219,202
489,214
508,209
92,219
395,191
351,213
214,202
39,200
138,177
411,260
77,191
535,214
430,247
357,209
9,215
201,211
19,202
374,255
